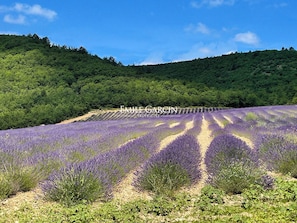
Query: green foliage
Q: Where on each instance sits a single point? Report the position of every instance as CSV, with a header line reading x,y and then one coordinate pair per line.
x,y
288,163
75,188
15,179
254,205
284,191
209,196
5,186
236,177
42,83
164,179
251,116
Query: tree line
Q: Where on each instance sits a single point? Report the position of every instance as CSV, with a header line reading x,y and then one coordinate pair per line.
x,y
42,83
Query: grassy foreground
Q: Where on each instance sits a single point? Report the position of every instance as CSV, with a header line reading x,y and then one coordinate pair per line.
x,y
212,205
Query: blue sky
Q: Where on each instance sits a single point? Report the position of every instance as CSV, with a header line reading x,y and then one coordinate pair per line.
x,y
150,32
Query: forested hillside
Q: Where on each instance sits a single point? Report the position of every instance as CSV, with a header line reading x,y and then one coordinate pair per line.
x,y
43,83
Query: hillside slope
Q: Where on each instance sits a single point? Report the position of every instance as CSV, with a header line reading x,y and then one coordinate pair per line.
x,y
44,83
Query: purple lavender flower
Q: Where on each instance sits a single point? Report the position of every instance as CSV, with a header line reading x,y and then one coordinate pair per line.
x,y
278,153
108,168
175,166
232,166
225,149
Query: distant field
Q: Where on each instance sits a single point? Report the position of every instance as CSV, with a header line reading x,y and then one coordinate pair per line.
x,y
141,112
208,165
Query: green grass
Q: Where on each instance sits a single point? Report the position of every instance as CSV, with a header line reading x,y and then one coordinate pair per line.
x,y
212,205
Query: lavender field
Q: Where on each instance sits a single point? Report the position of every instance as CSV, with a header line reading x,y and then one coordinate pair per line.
x,y
90,161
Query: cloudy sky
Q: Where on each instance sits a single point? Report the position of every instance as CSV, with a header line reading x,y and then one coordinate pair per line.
x,y
150,32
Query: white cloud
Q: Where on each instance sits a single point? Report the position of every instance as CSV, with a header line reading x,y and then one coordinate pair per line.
x,y
153,58
247,38
211,3
200,27
201,50
20,11
35,10
20,19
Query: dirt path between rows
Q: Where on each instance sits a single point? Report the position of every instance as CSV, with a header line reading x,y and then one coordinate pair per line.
x,y
204,139
125,192
245,139
80,118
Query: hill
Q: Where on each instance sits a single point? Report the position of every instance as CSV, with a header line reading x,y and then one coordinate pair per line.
x,y
42,83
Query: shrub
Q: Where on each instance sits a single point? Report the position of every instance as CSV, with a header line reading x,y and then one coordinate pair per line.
x,y
278,153
225,149
24,179
267,182
5,186
163,179
287,162
175,166
16,178
231,164
72,187
236,177
95,178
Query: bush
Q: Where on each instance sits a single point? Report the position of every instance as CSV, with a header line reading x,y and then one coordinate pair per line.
x,y
17,179
287,163
231,164
164,179
278,153
5,187
72,187
172,168
226,149
236,177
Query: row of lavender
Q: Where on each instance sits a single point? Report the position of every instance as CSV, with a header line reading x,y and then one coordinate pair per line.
x,y
49,153
176,166
95,178
135,112
84,161
270,133
232,164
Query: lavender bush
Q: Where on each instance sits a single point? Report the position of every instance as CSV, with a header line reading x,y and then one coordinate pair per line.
x,y
74,185
278,153
197,125
231,164
15,178
46,149
175,166
241,130
225,149
97,176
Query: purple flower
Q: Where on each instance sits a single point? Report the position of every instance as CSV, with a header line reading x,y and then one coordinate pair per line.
x,y
183,153
225,149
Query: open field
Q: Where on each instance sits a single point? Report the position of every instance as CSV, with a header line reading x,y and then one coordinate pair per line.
x,y
235,165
